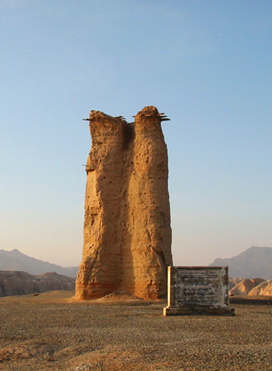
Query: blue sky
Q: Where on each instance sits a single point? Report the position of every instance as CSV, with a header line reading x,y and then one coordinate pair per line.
x,y
207,64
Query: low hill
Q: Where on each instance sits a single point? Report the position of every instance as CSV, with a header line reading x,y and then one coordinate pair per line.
x,y
263,289
15,260
244,286
20,283
253,262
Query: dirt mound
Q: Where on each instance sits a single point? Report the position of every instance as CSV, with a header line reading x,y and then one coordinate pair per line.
x,y
114,297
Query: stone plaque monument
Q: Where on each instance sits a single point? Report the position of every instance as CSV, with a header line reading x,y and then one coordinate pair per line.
x,y
198,290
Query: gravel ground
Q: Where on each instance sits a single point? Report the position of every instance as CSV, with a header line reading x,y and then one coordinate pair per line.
x,y
47,333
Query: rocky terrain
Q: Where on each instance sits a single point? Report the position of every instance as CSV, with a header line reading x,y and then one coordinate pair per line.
x,y
251,263
15,260
46,332
21,283
127,233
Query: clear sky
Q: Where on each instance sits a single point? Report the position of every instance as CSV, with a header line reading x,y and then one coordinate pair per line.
x,y
206,64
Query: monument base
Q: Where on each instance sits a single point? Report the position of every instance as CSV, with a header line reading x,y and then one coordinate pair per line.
x,y
198,309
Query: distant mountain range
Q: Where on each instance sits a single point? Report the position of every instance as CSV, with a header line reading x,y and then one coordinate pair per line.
x,y
14,260
251,263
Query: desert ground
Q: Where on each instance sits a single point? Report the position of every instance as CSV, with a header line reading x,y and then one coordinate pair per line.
x,y
51,332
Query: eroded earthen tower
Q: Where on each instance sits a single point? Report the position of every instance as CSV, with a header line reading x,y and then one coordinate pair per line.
x,y
127,233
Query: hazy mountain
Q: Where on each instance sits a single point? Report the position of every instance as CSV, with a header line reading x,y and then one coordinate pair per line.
x,y
20,283
14,260
251,263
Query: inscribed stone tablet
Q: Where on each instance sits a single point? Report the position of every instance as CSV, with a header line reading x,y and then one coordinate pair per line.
x,y
198,290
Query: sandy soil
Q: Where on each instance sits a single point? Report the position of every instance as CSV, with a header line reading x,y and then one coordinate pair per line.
x,y
53,332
